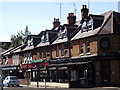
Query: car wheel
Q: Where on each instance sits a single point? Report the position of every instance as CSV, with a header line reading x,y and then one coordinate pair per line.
x,y
12,85
17,85
7,85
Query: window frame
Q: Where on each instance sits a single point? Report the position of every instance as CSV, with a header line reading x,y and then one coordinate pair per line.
x,y
44,53
88,48
57,51
40,54
81,49
62,50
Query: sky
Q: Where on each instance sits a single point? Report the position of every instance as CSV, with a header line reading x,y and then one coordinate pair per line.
x,y
39,15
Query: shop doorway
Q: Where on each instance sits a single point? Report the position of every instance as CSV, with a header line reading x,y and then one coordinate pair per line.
x,y
105,73
82,76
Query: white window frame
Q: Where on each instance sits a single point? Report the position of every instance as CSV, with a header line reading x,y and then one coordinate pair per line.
x,y
88,48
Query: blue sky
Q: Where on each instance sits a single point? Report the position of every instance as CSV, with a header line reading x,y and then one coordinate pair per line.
x,y
14,16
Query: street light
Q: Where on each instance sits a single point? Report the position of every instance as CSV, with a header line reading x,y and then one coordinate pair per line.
x,y
27,73
45,76
38,75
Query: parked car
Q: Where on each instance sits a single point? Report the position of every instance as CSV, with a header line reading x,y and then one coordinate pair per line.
x,y
1,83
11,81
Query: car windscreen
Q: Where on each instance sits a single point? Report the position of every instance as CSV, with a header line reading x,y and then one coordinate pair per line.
x,y
13,78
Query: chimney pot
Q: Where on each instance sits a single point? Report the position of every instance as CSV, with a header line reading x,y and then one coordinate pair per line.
x,y
56,23
71,19
84,11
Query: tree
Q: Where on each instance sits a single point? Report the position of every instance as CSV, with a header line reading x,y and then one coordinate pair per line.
x,y
25,35
20,38
6,45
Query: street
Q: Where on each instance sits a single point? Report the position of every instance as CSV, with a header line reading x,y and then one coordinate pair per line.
x,y
34,88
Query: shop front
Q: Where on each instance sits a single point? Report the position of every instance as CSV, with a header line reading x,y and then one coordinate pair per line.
x,y
76,72
11,70
33,71
82,75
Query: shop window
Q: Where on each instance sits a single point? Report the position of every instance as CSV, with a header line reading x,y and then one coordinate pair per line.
x,y
88,48
74,75
81,49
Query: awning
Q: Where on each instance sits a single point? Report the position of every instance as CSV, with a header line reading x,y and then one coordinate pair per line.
x,y
25,66
70,63
37,61
10,67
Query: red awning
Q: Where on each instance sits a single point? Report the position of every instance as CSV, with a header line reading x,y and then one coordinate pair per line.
x,y
46,63
35,65
27,65
38,65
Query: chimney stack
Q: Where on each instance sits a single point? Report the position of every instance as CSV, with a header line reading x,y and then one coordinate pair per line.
x,y
56,22
84,12
71,19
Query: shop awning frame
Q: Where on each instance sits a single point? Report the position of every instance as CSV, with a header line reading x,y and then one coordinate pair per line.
x,y
37,61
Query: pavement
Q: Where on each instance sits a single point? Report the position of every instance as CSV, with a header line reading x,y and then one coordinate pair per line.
x,y
54,88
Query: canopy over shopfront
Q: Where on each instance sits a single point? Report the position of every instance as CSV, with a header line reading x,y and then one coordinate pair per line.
x,y
37,61
35,64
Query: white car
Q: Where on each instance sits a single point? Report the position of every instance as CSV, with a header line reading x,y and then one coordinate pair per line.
x,y
11,81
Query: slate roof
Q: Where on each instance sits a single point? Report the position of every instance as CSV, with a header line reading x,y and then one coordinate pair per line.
x,y
28,48
13,50
109,25
18,49
43,44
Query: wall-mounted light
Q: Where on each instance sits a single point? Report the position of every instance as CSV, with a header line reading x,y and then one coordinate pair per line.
x,y
113,73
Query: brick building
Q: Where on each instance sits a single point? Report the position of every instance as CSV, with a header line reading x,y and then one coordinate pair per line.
x,y
81,53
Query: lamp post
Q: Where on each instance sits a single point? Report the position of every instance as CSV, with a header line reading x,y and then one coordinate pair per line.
x,y
38,75
45,76
27,74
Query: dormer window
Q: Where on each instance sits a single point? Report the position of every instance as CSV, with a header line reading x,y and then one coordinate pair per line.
x,y
62,33
30,42
87,26
44,38
90,24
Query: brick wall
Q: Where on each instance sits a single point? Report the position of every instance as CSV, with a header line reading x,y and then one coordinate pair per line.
x,y
113,43
9,61
97,73
115,72
75,46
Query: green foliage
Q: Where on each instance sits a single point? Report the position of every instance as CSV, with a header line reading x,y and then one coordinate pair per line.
x,y
20,38
6,46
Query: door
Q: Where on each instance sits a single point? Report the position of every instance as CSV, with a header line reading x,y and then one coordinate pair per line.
x,y
105,73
